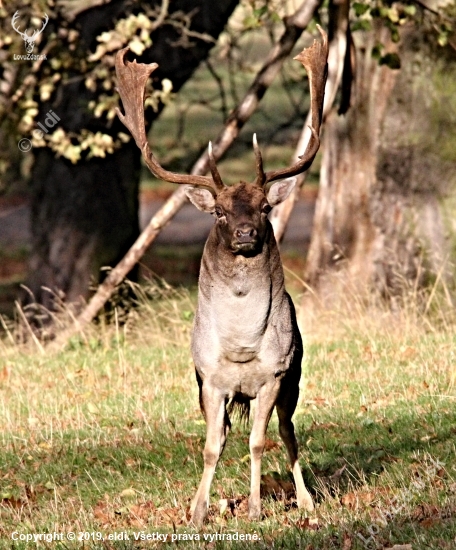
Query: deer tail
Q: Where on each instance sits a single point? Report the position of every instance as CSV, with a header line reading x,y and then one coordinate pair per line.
x,y
239,407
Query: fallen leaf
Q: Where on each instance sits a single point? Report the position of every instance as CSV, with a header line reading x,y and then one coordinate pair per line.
x,y
274,486
429,522
143,510
128,493
308,523
101,514
317,401
13,502
347,542
170,516
269,444
355,499
5,373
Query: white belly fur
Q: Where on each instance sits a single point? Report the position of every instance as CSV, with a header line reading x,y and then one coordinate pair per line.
x,y
242,348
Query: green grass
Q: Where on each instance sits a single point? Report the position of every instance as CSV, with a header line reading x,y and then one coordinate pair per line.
x,y
106,436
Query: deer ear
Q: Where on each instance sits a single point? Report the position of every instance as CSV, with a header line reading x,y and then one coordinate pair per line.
x,y
201,198
280,190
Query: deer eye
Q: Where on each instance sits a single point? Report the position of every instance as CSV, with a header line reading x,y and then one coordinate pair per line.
x,y
219,212
266,208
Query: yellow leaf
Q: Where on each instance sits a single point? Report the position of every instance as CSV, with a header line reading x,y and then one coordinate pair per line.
x,y
128,493
92,408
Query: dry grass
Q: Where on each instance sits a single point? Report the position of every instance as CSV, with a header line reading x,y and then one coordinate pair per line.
x,y
106,436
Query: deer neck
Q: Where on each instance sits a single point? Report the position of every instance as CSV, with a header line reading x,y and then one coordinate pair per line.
x,y
241,273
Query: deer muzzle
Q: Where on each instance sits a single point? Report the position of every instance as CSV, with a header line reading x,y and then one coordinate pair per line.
x,y
245,237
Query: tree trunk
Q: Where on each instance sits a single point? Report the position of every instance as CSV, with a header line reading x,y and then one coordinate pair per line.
x,y
85,215
343,231
338,63
377,222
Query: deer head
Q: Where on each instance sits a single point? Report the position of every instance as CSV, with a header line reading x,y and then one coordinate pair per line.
x,y
29,40
240,210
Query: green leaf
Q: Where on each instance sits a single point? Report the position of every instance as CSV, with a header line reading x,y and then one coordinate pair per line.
x,y
187,315
360,8
275,18
392,60
251,22
393,14
377,51
361,25
395,36
259,12
442,38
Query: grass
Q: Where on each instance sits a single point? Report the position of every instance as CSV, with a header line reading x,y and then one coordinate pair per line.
x,y
105,437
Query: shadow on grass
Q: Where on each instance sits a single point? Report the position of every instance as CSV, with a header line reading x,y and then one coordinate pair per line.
x,y
368,446
143,485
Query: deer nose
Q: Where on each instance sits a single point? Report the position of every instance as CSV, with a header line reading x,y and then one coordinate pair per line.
x,y
245,233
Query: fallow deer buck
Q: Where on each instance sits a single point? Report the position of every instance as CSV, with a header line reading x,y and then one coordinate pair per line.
x,y
246,342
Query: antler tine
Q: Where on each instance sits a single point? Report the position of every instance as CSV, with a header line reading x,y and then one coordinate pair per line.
x,y
314,60
132,78
261,176
214,170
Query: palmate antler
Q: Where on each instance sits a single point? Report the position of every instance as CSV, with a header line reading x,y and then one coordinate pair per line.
x,y
132,78
314,60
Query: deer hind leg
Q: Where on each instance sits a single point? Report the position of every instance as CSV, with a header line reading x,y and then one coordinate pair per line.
x,y
266,399
286,405
218,425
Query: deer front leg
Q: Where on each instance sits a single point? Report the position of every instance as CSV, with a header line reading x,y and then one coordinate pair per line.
x,y
213,403
266,399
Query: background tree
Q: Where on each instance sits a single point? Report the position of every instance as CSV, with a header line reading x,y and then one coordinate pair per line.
x,y
357,198
386,160
85,173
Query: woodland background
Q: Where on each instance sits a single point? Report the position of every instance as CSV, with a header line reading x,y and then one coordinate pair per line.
x,y
386,170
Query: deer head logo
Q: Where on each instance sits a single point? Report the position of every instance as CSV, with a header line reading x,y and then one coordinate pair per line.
x,y
29,40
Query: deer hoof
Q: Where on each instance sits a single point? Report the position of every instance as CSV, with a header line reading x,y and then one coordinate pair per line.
x,y
306,502
199,514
